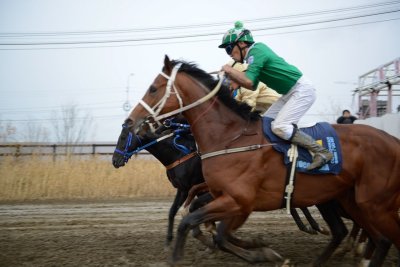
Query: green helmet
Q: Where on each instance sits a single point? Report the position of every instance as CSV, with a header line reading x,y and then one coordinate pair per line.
x,y
236,34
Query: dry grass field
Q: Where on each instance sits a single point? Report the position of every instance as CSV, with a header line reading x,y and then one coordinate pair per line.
x,y
39,178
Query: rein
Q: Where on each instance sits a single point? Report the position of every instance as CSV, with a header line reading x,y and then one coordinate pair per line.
x,y
170,85
181,128
128,154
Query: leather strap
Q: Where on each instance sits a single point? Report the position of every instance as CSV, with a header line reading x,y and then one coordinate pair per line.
x,y
181,160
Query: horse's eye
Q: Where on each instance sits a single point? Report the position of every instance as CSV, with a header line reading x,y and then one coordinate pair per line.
x,y
152,89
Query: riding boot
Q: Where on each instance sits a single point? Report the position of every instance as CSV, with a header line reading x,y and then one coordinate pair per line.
x,y
321,154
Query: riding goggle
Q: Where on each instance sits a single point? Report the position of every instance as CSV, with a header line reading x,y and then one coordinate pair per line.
x,y
229,48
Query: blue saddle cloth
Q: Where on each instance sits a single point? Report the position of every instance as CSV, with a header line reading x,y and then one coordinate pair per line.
x,y
321,131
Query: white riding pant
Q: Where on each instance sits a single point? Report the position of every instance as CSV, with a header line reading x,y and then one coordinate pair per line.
x,y
289,108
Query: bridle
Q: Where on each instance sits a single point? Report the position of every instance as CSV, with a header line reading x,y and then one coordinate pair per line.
x,y
171,89
180,129
128,154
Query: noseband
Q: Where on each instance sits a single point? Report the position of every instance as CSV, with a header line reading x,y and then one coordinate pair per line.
x,y
128,154
180,129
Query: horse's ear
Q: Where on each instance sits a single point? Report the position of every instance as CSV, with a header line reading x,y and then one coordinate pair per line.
x,y
167,64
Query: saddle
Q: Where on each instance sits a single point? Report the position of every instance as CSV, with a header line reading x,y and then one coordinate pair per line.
x,y
323,132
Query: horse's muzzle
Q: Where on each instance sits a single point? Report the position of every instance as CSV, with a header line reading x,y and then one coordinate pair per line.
x,y
118,163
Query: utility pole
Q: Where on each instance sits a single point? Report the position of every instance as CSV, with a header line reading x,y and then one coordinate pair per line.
x,y
127,105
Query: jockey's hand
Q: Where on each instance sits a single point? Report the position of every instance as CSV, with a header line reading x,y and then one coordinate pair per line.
x,y
227,69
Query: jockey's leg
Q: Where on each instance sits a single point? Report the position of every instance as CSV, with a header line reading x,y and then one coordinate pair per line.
x,y
298,101
321,154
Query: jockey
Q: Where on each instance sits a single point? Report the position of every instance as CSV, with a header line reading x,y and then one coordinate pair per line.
x,y
298,93
260,99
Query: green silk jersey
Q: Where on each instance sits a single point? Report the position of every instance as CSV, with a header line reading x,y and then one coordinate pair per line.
x,y
271,69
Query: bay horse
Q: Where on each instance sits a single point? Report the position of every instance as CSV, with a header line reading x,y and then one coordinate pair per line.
x,y
253,179
175,148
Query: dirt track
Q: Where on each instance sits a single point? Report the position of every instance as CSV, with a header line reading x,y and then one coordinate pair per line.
x,y
132,233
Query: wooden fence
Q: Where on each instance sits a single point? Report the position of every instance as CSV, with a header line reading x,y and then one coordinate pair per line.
x,y
55,150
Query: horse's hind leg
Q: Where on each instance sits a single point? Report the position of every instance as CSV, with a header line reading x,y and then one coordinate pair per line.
x,y
313,223
338,229
389,225
386,221
360,245
300,224
361,218
381,251
350,241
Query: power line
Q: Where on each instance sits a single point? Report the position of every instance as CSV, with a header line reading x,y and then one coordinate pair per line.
x,y
199,40
204,25
184,36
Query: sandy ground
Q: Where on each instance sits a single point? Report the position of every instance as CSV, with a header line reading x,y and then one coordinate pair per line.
x,y
132,233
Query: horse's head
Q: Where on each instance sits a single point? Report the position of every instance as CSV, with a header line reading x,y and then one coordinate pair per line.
x,y
129,143
161,97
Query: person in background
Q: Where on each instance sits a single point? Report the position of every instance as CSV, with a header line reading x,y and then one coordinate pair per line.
x,y
298,94
260,99
346,118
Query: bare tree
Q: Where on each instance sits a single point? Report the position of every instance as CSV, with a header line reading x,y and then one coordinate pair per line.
x,y
7,132
71,125
35,133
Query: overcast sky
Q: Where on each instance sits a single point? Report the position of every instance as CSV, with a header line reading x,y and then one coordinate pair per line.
x,y
86,53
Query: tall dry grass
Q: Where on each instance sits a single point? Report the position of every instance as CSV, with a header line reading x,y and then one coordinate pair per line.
x,y
38,178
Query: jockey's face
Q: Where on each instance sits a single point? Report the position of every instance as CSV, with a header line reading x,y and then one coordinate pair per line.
x,y
236,51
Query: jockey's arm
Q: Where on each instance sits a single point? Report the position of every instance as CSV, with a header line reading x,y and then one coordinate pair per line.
x,y
238,76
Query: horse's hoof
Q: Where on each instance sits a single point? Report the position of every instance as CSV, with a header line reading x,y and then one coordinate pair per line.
x,y
324,231
286,263
359,249
183,211
309,230
364,263
271,255
340,252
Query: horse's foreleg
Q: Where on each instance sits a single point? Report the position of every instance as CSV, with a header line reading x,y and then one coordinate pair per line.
x,y
197,233
218,209
238,247
247,243
178,201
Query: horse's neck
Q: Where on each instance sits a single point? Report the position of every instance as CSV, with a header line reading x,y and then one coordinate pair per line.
x,y
165,152
216,125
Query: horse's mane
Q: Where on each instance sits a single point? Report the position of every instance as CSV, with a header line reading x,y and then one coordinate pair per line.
x,y
224,94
